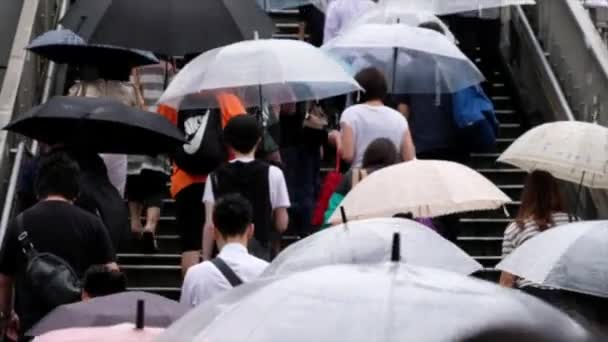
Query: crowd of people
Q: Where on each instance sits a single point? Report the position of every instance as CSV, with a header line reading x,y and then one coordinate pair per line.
x,y
234,199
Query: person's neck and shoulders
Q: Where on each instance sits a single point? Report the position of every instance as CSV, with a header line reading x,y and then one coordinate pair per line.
x,y
236,255
377,108
529,225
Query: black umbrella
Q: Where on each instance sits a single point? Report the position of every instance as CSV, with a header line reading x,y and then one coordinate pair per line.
x,y
168,27
65,46
99,125
111,310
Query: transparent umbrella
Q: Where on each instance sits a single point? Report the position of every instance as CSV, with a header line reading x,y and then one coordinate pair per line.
x,y
383,15
572,257
369,241
415,60
272,70
443,7
381,302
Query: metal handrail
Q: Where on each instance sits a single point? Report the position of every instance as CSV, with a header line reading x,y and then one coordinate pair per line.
x,y
24,35
539,55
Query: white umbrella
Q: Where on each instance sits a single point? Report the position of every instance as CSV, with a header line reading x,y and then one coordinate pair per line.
x,y
383,15
570,150
382,302
443,7
273,70
369,241
425,188
571,257
415,60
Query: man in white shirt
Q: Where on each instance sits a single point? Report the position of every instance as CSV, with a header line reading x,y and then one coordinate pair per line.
x,y
341,13
262,184
233,228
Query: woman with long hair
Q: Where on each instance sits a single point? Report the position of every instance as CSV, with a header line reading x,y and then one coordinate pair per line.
x,y
542,208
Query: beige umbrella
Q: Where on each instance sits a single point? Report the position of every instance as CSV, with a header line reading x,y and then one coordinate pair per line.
x,y
118,333
570,150
425,188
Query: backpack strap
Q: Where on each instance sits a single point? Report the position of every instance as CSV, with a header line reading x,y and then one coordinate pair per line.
x,y
227,272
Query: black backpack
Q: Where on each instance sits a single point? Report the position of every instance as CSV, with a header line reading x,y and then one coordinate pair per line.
x,y
205,149
50,277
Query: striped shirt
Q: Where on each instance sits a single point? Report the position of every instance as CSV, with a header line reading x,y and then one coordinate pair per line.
x,y
152,80
515,237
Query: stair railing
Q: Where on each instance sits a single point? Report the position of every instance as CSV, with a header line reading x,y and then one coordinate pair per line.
x,y
21,91
561,61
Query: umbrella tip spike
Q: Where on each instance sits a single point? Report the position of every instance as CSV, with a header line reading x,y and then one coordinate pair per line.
x,y
343,213
396,248
139,319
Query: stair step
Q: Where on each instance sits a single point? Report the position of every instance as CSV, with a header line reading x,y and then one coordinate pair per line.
x,y
504,176
153,276
481,245
142,258
488,262
167,243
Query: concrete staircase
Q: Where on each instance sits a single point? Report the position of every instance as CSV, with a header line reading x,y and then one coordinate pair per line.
x,y
481,233
161,272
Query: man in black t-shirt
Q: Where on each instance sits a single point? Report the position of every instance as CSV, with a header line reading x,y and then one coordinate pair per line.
x,y
55,225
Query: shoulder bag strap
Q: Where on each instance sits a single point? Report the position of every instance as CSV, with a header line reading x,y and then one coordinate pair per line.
x,y
24,239
227,272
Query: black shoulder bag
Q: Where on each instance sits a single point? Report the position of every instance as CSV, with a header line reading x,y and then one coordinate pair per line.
x,y
50,277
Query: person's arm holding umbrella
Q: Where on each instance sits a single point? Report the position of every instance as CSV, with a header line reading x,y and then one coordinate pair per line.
x,y
408,150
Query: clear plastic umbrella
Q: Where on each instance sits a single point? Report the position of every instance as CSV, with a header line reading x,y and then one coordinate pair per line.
x,y
369,241
572,257
425,188
573,151
382,302
273,70
382,15
414,60
443,7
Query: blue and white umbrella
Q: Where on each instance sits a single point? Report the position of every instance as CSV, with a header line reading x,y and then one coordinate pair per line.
x,y
66,47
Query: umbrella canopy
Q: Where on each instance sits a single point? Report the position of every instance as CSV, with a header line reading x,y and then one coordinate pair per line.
x,y
425,188
110,310
414,60
382,15
570,150
443,7
65,46
118,333
571,257
168,27
382,302
99,125
277,71
368,242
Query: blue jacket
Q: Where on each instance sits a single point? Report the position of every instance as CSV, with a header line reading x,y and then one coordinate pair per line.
x,y
473,114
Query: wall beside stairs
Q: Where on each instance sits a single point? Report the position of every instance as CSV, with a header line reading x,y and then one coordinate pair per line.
x,y
9,17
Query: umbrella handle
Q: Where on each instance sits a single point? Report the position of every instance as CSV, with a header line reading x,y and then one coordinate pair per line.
x,y
139,319
396,248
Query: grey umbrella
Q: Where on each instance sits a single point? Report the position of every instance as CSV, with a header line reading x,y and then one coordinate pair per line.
x,y
376,302
111,310
65,46
168,27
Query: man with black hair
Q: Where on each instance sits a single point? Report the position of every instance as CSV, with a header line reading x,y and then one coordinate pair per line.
x,y
262,184
232,229
101,280
54,225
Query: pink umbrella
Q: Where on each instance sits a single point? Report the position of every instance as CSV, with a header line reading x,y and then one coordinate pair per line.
x,y
126,332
